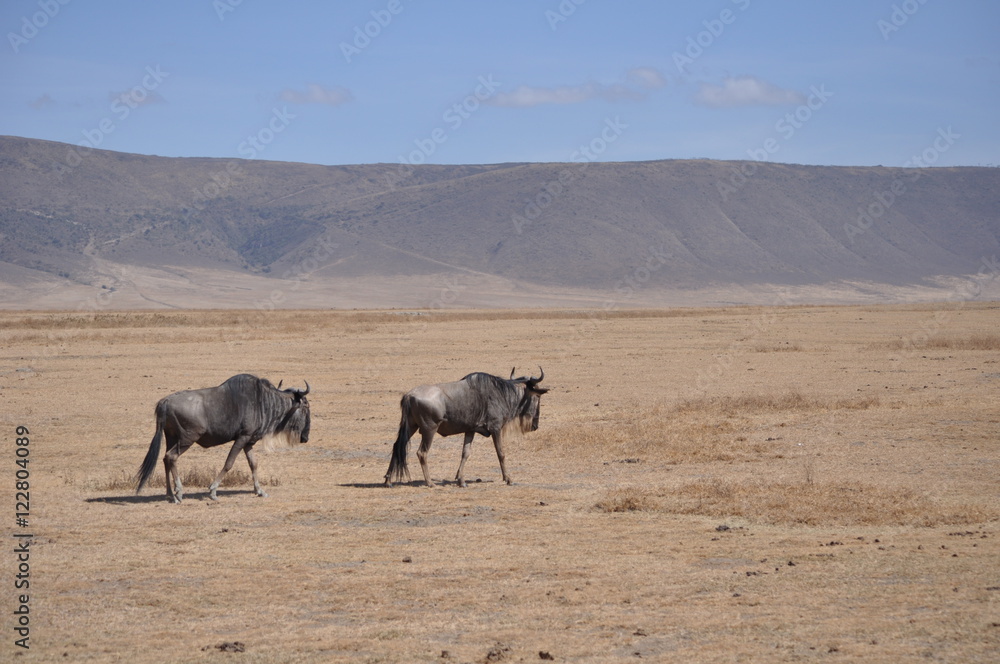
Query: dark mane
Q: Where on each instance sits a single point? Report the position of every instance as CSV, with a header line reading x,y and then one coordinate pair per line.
x,y
244,409
480,379
516,402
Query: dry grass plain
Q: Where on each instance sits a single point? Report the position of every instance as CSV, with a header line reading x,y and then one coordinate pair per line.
x,y
744,484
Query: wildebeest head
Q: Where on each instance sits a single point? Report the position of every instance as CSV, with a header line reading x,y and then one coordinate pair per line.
x,y
297,422
530,405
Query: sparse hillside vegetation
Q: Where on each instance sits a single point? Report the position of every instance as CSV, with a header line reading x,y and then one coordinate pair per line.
x,y
619,228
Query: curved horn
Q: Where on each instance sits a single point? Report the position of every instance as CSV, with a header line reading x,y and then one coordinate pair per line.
x,y
512,369
297,392
542,374
280,382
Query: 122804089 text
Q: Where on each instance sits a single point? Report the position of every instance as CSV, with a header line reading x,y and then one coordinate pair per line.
x,y
22,511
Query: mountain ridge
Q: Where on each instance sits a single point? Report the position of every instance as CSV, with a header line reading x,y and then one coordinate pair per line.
x,y
673,226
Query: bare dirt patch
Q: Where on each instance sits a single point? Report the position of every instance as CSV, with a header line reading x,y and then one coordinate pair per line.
x,y
706,485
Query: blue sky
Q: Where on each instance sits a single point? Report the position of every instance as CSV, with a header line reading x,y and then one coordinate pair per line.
x,y
854,82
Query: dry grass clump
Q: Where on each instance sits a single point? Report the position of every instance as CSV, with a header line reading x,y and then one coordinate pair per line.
x,y
726,406
556,314
131,327
197,477
285,318
255,319
972,342
629,499
657,432
702,430
786,503
123,319
778,347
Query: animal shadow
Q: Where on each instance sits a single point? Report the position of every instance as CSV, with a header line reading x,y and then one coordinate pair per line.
x,y
410,483
132,499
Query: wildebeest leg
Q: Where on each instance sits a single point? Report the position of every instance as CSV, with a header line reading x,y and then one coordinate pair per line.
x,y
230,460
170,472
497,443
466,448
175,492
252,460
426,436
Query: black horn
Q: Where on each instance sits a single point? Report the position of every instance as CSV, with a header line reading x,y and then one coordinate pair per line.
x,y
297,392
533,382
512,370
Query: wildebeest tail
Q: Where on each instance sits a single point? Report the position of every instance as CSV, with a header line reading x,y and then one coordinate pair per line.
x,y
397,463
149,463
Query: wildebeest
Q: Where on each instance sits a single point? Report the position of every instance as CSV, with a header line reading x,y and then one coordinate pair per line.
x,y
479,403
244,409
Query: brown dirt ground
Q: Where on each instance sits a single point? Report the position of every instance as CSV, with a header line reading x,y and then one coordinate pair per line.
x,y
744,484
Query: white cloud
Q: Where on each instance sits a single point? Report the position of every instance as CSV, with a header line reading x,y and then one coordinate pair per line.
x,y
647,77
746,91
136,97
525,96
317,94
